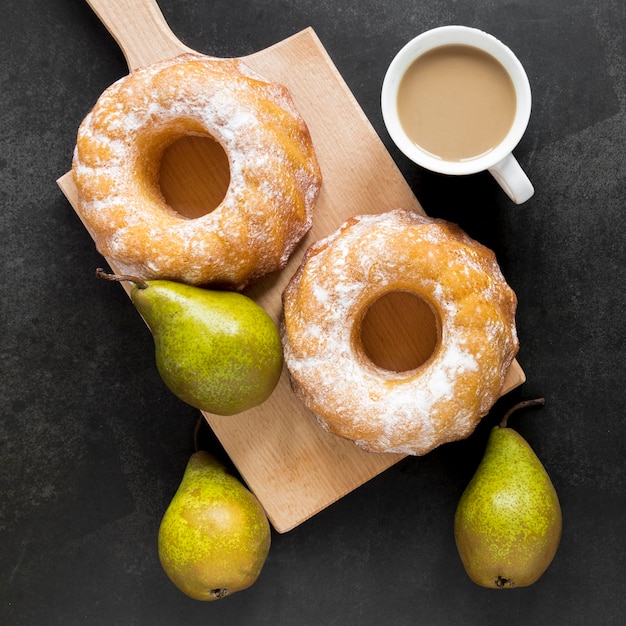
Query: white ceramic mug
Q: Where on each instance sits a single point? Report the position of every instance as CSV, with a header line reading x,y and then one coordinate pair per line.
x,y
499,161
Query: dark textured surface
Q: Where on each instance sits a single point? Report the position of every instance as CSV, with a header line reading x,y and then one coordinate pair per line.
x,y
92,444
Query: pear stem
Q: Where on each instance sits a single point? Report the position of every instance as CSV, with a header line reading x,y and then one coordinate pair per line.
x,y
521,405
196,430
140,283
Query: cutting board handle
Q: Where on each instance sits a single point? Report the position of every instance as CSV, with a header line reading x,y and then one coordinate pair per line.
x,y
139,28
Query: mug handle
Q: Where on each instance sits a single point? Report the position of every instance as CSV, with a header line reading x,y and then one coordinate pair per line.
x,y
511,177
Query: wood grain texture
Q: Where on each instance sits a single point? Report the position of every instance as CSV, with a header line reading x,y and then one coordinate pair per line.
x,y
294,467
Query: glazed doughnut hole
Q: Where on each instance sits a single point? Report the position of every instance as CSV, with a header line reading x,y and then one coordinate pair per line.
x,y
194,175
399,331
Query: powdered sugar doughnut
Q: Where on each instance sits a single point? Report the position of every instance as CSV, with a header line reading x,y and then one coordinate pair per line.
x,y
325,302
274,175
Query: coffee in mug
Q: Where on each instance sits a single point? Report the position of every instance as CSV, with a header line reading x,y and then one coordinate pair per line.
x,y
456,100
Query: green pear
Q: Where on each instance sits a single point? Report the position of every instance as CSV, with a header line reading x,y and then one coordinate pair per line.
x,y
508,521
218,351
214,537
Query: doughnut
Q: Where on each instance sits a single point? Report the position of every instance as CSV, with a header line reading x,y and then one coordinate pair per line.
x,y
341,276
274,174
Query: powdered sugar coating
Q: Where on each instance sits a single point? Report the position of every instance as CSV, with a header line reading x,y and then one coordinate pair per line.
x,y
342,275
274,175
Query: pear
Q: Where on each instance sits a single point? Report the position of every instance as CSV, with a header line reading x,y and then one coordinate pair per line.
x,y
214,537
218,351
508,521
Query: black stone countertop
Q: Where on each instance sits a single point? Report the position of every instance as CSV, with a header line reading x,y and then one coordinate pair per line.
x,y
93,445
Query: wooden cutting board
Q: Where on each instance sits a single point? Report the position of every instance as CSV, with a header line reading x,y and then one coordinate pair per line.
x,y
294,467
